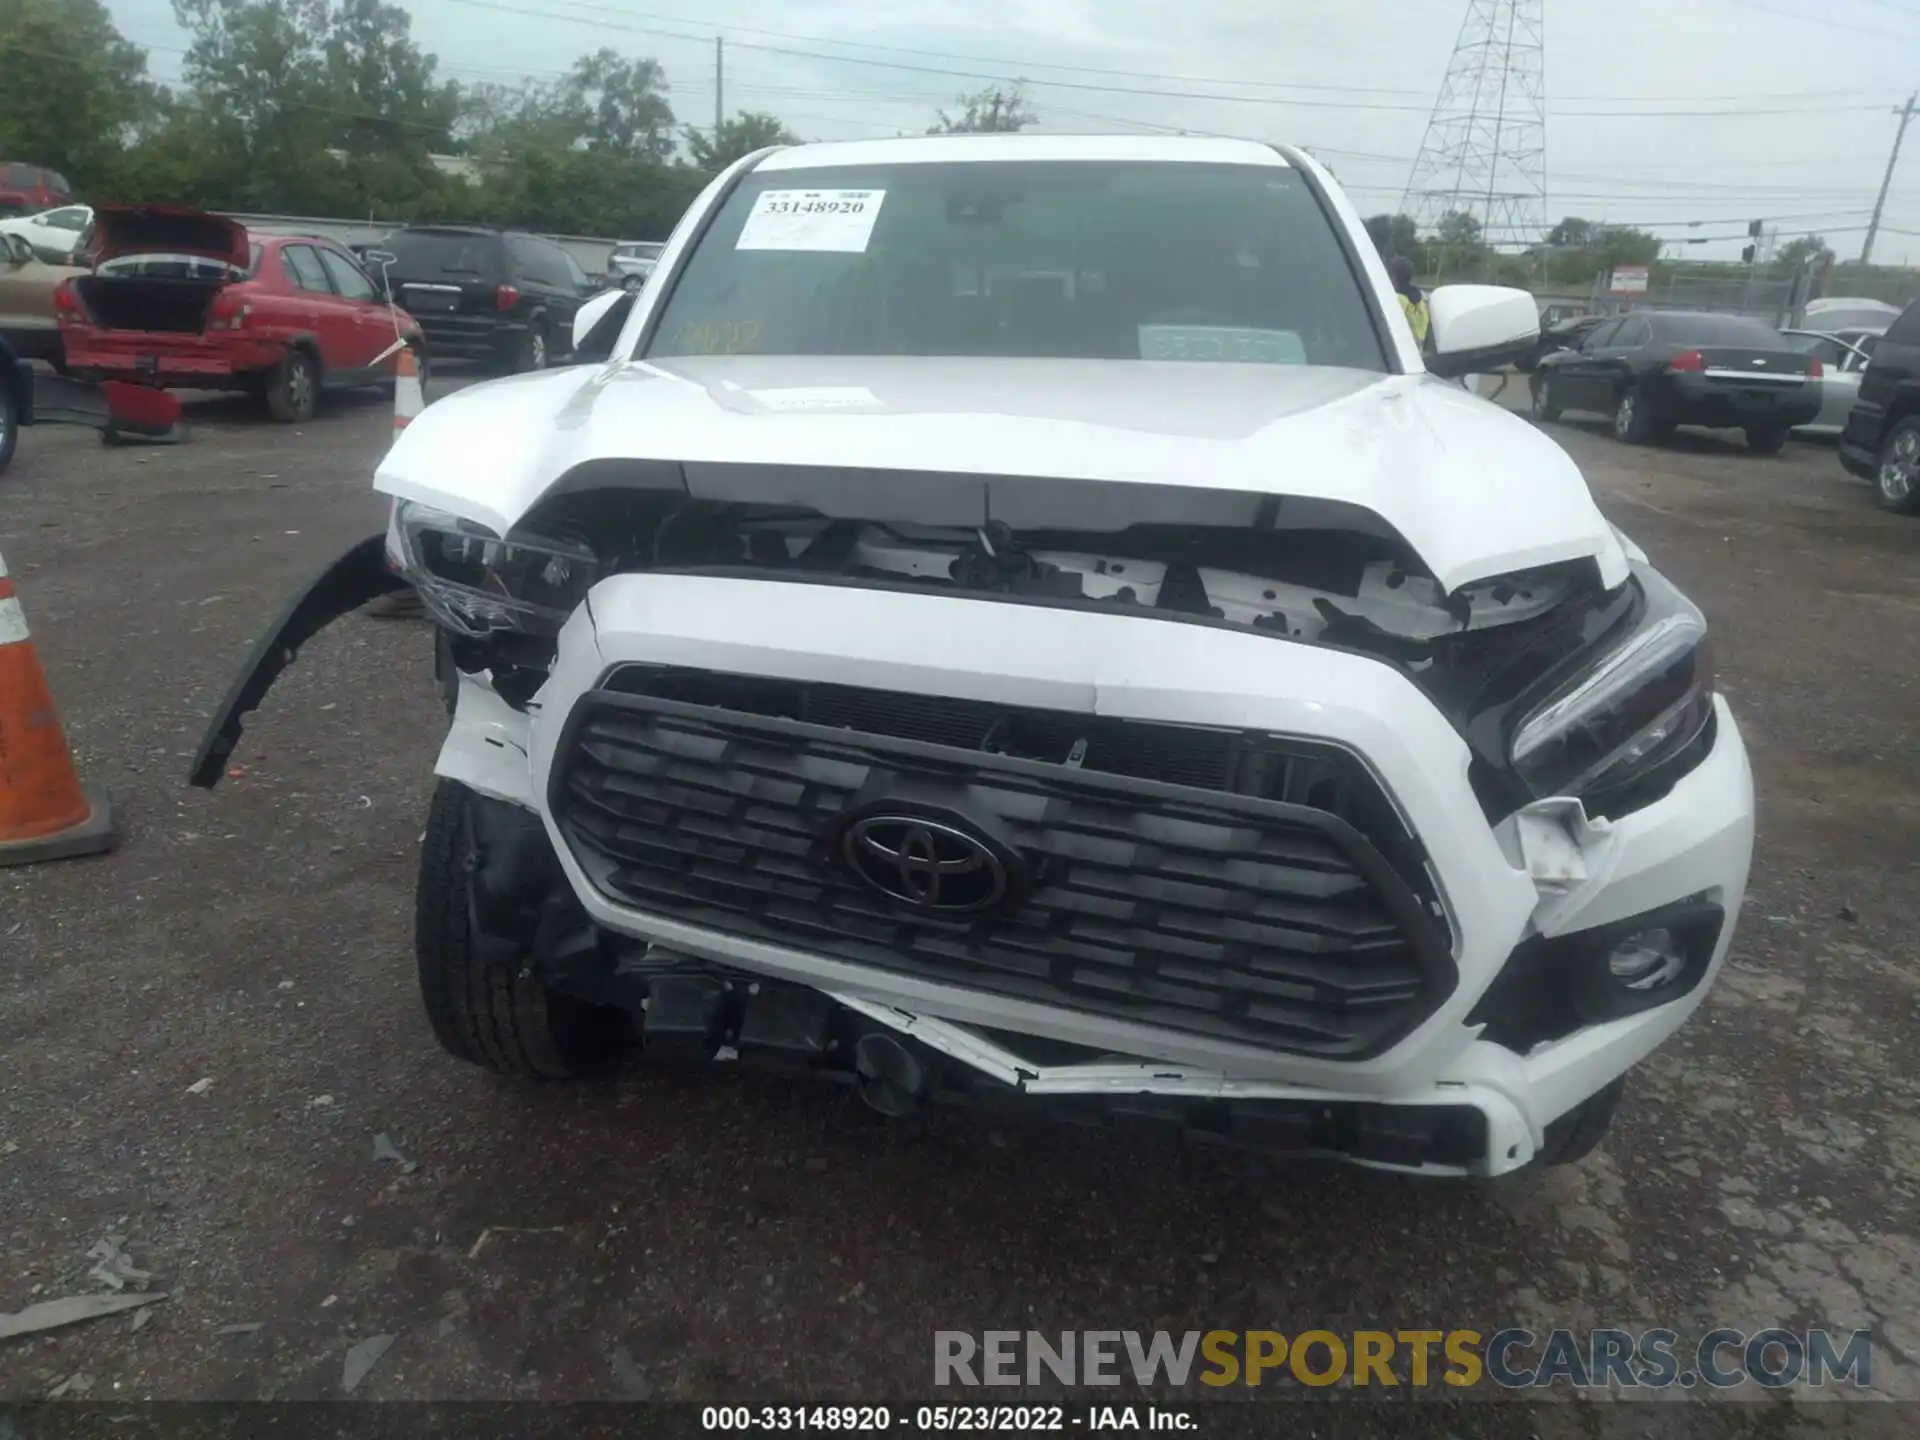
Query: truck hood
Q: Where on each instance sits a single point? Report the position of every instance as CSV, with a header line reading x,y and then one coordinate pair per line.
x,y
1473,489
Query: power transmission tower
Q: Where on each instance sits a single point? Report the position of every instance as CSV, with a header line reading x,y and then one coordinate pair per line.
x,y
1485,150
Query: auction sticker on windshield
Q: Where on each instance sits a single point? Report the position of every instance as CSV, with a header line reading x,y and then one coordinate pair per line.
x,y
811,220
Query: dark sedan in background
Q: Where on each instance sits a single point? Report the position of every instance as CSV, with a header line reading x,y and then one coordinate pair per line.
x,y
1652,371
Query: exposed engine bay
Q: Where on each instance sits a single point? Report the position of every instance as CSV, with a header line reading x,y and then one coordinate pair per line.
x,y
1352,589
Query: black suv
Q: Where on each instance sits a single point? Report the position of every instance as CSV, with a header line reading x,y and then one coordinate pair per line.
x,y
1881,441
489,295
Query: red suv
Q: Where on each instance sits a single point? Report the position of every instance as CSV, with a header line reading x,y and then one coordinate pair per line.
x,y
28,189
184,300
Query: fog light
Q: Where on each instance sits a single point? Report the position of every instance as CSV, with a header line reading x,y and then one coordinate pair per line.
x,y
1646,959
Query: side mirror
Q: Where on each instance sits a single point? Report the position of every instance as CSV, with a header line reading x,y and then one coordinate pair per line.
x,y
597,324
1479,328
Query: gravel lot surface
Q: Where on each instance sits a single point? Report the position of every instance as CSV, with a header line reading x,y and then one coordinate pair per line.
x,y
730,1239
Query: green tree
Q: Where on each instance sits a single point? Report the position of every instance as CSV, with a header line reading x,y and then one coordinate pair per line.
x,y
994,110
747,132
1394,234
1790,256
73,90
1574,231
619,104
1458,230
1622,245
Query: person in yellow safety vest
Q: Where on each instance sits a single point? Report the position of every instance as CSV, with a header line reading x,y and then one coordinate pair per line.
x,y
1411,299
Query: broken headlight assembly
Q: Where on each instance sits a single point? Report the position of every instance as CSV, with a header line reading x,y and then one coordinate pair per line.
x,y
1635,717
477,584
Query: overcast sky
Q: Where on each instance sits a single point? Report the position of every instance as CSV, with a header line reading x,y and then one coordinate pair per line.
x,y
1659,112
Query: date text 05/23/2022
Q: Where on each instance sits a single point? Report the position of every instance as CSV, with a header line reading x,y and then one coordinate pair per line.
x,y
924,1419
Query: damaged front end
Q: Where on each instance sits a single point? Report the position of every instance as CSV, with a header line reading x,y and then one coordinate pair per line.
x,y
1140,809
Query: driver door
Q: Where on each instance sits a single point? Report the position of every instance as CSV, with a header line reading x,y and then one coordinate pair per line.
x,y
1583,379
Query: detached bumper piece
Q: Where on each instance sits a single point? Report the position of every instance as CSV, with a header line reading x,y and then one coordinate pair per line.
x,y
1231,915
703,1016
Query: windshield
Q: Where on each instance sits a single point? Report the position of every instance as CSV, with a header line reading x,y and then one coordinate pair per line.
x,y
430,252
1047,259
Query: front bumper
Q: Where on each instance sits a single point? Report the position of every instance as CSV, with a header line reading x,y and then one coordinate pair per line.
x,y
1494,885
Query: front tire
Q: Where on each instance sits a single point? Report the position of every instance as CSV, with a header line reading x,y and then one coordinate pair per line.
x,y
482,998
293,389
1766,442
1896,483
1545,408
1632,421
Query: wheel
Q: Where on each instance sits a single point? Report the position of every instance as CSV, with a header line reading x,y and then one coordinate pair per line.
x,y
533,349
1767,442
1575,1134
1632,424
1545,408
9,423
293,389
1896,483
484,1003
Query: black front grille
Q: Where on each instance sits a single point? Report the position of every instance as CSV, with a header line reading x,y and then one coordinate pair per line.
x,y
1177,905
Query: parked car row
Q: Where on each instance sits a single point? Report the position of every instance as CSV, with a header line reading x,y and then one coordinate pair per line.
x,y
1847,373
1652,371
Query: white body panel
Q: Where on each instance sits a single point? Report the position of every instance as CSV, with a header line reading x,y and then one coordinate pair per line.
x,y
1698,839
1475,491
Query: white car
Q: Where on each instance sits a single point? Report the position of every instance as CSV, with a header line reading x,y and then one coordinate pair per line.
x,y
631,264
937,642
54,234
1843,357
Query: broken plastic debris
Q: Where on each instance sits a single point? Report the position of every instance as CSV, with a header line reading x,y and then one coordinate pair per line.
x,y
201,1086
140,1317
361,1359
53,1314
245,1327
320,1102
74,1384
384,1150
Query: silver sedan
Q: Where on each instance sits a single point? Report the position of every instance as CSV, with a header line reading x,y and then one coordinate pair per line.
x,y
1842,358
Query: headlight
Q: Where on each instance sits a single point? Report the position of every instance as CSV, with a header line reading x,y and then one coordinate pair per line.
x,y
1642,703
476,583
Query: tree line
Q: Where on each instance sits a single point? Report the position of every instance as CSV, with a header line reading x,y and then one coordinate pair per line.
x,y
329,107
1570,254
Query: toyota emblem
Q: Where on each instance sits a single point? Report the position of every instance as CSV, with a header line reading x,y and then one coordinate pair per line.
x,y
925,863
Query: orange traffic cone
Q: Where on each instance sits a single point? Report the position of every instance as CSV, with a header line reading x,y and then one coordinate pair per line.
x,y
44,814
408,398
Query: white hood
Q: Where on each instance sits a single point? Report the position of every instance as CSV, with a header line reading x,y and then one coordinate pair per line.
x,y
1475,490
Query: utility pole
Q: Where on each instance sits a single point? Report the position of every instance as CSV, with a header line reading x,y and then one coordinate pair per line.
x,y
719,87
1873,227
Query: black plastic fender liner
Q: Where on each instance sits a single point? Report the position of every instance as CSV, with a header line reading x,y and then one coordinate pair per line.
x,y
344,586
